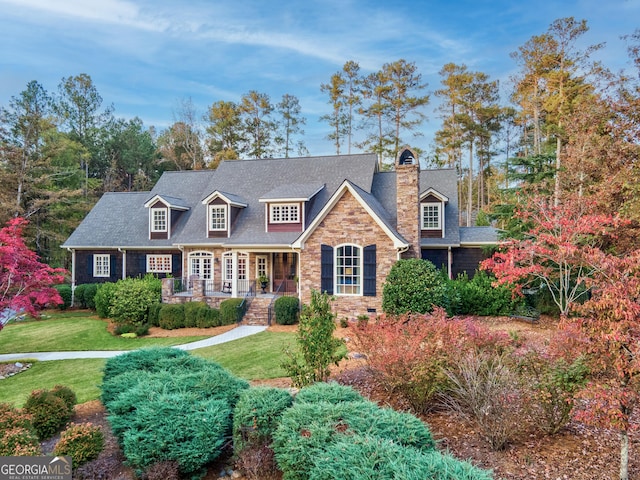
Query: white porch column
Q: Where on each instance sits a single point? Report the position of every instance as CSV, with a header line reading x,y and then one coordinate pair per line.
x,y
73,275
234,274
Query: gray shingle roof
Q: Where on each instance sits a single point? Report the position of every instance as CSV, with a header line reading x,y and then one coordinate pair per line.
x,y
478,235
121,220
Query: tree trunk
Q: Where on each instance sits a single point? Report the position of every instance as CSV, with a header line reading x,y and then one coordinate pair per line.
x,y
556,189
470,186
624,455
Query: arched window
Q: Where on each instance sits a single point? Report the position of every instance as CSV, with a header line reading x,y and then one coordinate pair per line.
x,y
348,262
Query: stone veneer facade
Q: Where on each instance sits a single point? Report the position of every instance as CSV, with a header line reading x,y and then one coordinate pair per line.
x,y
347,222
408,206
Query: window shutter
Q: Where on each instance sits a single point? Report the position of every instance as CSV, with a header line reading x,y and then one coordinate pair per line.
x,y
142,263
326,269
113,266
369,271
90,266
176,265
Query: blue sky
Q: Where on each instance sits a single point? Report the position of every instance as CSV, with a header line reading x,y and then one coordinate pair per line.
x,y
145,56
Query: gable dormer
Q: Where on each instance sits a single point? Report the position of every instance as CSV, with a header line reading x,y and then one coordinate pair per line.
x,y
286,206
432,224
222,209
163,213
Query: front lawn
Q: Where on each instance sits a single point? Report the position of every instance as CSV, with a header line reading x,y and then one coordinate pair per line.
x,y
71,331
254,357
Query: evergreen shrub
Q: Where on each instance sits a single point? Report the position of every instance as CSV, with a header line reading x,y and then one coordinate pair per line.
x,y
103,297
413,286
208,318
132,298
89,296
171,316
154,314
17,435
142,359
287,310
50,413
229,311
78,296
66,394
192,313
65,294
256,415
330,392
83,442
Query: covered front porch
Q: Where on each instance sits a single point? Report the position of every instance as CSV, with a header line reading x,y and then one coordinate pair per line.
x,y
237,274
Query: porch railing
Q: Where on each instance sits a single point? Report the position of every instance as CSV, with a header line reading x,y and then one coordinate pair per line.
x,y
286,288
246,303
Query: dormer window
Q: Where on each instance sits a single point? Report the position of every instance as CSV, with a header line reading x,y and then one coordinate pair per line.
x,y
217,218
431,216
284,213
158,219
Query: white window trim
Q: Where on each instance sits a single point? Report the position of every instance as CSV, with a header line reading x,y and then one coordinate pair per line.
x,y
105,267
226,217
335,270
152,222
163,259
422,209
272,206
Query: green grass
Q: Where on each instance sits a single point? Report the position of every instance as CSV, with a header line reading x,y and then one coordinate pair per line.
x,y
71,331
255,357
82,376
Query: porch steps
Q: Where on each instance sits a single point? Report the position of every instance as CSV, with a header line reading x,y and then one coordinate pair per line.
x,y
258,312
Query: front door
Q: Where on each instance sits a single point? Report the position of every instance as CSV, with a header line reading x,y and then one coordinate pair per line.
x,y
200,264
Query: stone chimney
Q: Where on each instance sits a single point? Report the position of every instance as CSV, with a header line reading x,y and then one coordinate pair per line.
x,y
408,200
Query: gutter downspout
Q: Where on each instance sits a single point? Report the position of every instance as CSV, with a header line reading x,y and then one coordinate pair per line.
x,y
449,262
124,262
73,274
401,251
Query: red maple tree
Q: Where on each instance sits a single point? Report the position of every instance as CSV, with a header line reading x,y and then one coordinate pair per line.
x,y
26,284
556,252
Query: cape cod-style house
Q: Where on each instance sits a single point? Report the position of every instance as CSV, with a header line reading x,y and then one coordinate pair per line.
x,y
333,224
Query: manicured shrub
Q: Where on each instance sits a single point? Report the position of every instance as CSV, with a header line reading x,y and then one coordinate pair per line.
x,y
66,394
103,298
83,442
409,354
208,318
363,457
256,415
78,296
287,310
154,314
413,286
89,296
308,429
50,413
17,435
192,313
65,293
131,300
479,296
177,427
317,347
144,359
331,392
229,311
171,316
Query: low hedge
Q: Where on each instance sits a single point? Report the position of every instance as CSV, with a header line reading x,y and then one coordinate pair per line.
x,y
287,310
171,316
65,294
256,416
229,311
331,392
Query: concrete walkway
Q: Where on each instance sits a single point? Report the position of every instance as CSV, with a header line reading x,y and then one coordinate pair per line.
x,y
238,332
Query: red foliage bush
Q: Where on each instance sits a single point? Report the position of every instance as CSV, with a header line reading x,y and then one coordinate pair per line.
x,y
410,353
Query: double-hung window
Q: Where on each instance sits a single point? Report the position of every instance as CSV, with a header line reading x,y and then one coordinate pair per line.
x,y
431,216
217,217
102,265
284,213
